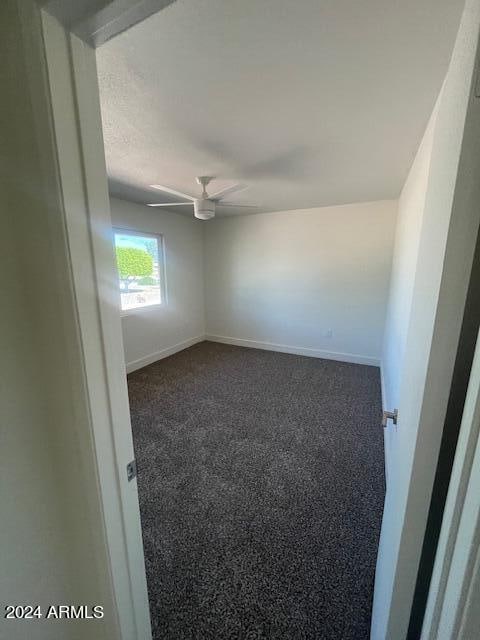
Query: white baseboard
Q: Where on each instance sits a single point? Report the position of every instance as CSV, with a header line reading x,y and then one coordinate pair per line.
x,y
299,351
163,353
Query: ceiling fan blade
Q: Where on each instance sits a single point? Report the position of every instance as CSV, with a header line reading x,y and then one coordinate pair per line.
x,y
235,204
169,204
179,194
224,192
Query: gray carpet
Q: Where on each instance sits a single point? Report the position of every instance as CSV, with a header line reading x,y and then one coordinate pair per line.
x,y
261,488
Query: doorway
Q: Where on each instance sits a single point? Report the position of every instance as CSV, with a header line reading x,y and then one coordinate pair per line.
x,y
96,194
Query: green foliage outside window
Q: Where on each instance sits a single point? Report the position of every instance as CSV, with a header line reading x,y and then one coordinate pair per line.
x,y
133,263
147,280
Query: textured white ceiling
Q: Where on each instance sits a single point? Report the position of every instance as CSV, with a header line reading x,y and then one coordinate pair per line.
x,y
311,102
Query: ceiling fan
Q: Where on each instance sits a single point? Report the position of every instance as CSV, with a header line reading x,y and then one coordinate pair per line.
x,y
204,205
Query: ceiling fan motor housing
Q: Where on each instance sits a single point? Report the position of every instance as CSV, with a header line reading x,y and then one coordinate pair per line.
x,y
204,208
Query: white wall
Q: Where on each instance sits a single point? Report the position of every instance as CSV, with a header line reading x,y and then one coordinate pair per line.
x,y
51,537
404,264
35,565
150,334
288,278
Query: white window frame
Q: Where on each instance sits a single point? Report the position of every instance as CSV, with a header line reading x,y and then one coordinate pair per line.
x,y
161,270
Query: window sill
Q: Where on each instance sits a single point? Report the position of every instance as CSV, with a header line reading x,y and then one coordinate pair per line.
x,y
132,312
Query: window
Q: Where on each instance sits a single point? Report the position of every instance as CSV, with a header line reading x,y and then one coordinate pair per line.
x,y
139,264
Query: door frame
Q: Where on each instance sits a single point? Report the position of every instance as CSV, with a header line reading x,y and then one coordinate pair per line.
x,y
457,566
72,87
458,409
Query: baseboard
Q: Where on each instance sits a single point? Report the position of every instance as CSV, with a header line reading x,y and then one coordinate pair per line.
x,y
163,353
299,351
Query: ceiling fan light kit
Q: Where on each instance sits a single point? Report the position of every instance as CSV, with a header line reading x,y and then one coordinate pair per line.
x,y
204,206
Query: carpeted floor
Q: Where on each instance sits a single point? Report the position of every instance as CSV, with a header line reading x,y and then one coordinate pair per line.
x,y
261,489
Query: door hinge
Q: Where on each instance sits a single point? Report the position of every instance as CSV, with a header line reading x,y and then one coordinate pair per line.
x,y
477,83
131,470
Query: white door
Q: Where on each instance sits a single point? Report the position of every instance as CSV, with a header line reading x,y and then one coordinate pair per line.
x,y
450,219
